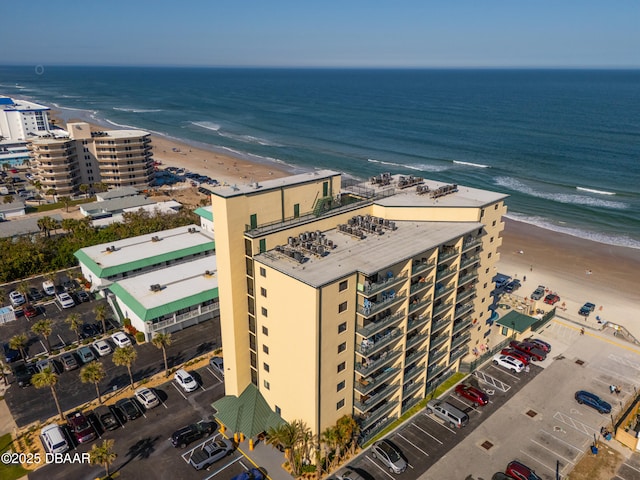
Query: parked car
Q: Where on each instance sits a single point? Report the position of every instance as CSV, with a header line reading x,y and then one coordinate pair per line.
x,y
551,299
512,286
184,436
107,418
17,298
185,380
30,311
129,409
65,300
102,347
520,471
508,362
210,453
70,286
83,296
53,439
23,372
517,354
80,426
147,398
593,401
10,355
69,361
501,476
121,340
253,474
473,394
542,345
538,293
88,330
217,364
586,309
49,288
389,455
34,294
86,354
530,349
42,365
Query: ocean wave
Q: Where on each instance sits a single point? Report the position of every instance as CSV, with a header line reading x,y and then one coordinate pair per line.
x,y
591,190
121,125
234,136
138,110
208,125
58,106
600,237
420,167
469,164
520,187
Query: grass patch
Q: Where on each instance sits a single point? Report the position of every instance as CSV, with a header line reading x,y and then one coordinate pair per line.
x,y
10,472
54,206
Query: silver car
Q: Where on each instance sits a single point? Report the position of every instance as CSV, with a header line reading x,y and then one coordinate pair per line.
x,y
389,455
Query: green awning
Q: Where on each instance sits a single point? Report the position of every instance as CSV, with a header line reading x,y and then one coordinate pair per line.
x,y
249,413
516,321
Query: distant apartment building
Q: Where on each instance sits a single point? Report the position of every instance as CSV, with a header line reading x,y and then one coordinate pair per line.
x,y
21,120
116,158
352,299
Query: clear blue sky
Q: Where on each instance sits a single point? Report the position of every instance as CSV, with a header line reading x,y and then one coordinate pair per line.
x,y
344,33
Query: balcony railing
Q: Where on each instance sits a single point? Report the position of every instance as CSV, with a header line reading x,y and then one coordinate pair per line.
x,y
413,357
439,292
419,286
439,324
445,273
374,327
460,352
422,303
406,405
442,256
465,337
371,308
418,320
423,266
372,288
369,347
368,384
412,388
464,294
461,310
436,356
441,308
373,417
371,366
416,340
458,327
374,398
471,244
436,369
413,372
465,262
438,340
371,432
467,278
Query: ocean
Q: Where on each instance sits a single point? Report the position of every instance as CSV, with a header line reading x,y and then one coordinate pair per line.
x,y
564,144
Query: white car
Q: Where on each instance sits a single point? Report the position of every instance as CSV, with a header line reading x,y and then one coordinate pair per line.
x,y
65,300
102,347
17,298
508,362
53,439
185,380
147,398
49,288
121,340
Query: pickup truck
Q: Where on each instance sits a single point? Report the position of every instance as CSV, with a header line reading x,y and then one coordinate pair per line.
x,y
210,453
530,349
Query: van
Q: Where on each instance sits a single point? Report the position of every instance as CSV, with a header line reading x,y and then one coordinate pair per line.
x,y
49,288
53,439
447,412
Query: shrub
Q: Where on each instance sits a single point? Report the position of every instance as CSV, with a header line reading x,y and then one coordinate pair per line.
x,y
126,322
140,337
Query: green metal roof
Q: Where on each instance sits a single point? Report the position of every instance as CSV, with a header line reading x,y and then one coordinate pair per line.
x,y
204,212
517,321
101,272
167,308
249,413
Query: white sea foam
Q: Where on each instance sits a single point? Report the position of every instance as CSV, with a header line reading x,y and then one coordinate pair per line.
x,y
138,110
591,190
207,125
469,164
416,167
600,237
520,187
121,125
94,112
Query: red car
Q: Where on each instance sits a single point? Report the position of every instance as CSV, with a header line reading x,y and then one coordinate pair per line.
x,y
520,471
30,311
477,396
539,343
530,349
512,352
551,299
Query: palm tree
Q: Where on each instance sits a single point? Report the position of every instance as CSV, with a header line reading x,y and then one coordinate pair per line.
x,y
23,288
44,328
101,315
19,342
124,357
46,224
47,378
50,192
93,372
348,430
66,201
103,455
162,341
4,374
75,324
84,188
329,438
8,199
295,438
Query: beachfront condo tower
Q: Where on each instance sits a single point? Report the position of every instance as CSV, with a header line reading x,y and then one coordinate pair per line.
x,y
341,297
116,158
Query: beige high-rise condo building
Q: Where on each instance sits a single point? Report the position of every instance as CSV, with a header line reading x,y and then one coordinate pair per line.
x,y
117,158
352,298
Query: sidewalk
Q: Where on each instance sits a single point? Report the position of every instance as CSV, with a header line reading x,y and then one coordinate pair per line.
x,y
266,457
7,425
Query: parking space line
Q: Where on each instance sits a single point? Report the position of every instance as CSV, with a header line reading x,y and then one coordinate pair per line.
x,y
631,380
632,468
179,391
240,457
426,433
61,340
412,444
504,370
553,470
378,466
560,440
163,404
460,400
575,424
200,445
624,361
490,380
553,452
438,423
212,373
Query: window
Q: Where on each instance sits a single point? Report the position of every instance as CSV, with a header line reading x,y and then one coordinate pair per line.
x,y
247,247
491,240
489,256
252,324
482,213
342,347
263,291
263,272
265,366
263,245
343,285
266,385
493,224
342,327
252,341
251,305
265,349
254,359
342,366
265,331
253,221
254,377
342,307
341,385
249,263
264,312
296,210
486,271
495,207
485,285
278,410
340,404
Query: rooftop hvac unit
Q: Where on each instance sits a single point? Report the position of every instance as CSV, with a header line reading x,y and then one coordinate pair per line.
x,y
330,243
278,248
297,256
155,287
208,273
155,239
290,241
320,250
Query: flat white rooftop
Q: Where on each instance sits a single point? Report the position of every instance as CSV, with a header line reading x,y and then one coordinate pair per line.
x,y
235,190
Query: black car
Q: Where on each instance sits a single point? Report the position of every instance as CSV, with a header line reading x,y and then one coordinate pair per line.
x,y
35,295
23,373
512,286
107,418
129,408
10,355
83,296
586,309
89,330
183,437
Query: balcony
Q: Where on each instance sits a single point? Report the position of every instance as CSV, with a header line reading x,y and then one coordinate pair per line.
x,y
461,310
442,274
439,292
369,384
407,404
365,368
370,347
416,340
413,372
419,304
421,266
465,293
371,432
435,370
438,324
436,356
456,342
458,327
465,262
417,320
411,388
375,397
413,357
419,286
441,308
372,328
371,288
467,278
438,340
460,352
446,254
370,308
467,245
373,417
